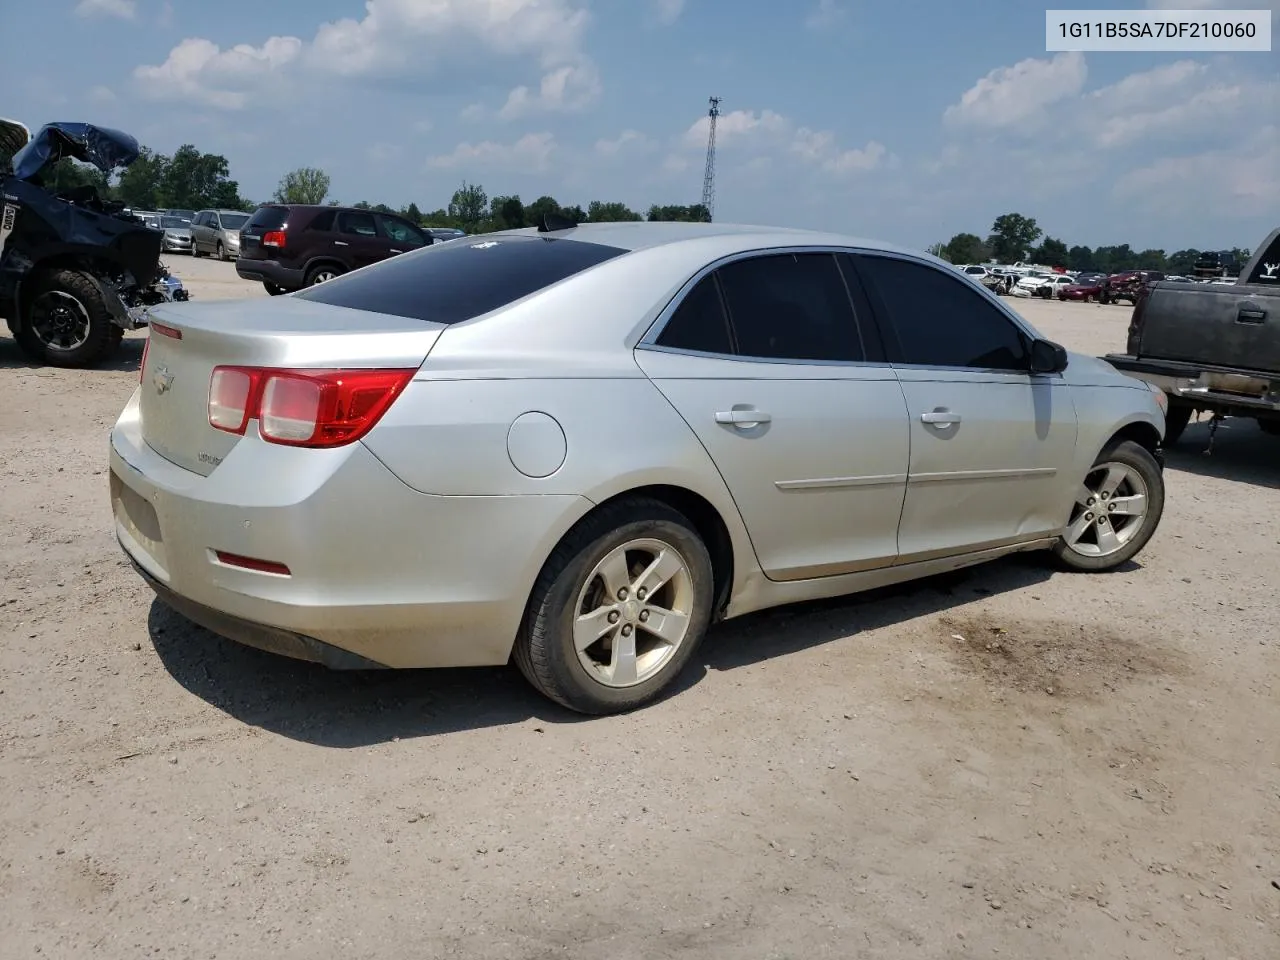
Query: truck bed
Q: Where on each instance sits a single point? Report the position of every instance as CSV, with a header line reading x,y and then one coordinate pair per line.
x,y
1210,326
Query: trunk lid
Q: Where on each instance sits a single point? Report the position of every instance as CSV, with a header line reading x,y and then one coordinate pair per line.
x,y
279,332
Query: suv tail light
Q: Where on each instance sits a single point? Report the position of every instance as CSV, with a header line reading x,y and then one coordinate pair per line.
x,y
1136,320
303,408
274,238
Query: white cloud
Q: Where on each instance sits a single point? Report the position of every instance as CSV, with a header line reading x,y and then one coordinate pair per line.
x,y
102,95
737,126
199,71
570,87
767,133
124,9
1008,96
1237,180
628,140
530,153
397,39
825,15
668,11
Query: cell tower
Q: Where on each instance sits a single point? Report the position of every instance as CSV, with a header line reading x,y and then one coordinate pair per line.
x,y
709,175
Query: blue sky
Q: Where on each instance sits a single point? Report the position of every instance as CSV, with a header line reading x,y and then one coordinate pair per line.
x,y
906,120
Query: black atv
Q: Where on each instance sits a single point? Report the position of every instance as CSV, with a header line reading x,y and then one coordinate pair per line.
x,y
76,270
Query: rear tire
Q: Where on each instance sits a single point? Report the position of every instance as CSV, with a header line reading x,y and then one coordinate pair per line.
x,y
66,322
273,289
635,582
323,272
1175,422
1116,512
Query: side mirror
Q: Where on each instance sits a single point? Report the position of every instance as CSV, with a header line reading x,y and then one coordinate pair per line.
x,y
1047,357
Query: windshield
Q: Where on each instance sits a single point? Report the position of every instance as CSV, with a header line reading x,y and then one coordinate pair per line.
x,y
173,223
234,221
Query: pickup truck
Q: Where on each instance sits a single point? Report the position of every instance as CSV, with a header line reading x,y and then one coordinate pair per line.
x,y
1212,347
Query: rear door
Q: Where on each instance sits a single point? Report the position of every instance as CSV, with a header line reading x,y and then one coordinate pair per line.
x,y
992,444
264,220
358,242
765,359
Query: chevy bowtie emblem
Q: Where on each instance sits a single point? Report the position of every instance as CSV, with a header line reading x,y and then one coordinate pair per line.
x,y
163,379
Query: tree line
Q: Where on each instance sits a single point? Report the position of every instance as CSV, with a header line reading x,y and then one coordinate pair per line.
x,y
191,180
1015,237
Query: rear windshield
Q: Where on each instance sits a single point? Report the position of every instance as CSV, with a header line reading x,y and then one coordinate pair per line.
x,y
451,282
269,218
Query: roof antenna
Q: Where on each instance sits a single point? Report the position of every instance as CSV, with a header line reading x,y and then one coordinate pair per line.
x,y
552,221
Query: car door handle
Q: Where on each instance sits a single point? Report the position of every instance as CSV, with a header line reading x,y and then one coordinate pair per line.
x,y
743,418
940,418
397,251
1251,315
341,243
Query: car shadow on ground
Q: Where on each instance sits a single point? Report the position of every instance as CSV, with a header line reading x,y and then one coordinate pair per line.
x,y
127,358
1241,451
312,704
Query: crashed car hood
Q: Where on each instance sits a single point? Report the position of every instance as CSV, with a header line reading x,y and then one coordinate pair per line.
x,y
103,147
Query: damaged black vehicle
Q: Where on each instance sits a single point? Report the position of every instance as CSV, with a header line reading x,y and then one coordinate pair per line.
x,y
76,271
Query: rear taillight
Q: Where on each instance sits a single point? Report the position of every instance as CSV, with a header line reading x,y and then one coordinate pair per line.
x,y
273,238
303,408
1134,344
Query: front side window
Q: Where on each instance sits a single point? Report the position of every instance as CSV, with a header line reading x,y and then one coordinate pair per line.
x,y
941,321
401,232
792,306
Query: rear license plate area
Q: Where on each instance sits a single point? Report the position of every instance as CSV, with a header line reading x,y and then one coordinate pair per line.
x,y
137,517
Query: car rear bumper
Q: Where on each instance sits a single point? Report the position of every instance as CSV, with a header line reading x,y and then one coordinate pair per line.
x,y
269,271
379,574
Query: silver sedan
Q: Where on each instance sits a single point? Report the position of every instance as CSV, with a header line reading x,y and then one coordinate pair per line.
x,y
577,448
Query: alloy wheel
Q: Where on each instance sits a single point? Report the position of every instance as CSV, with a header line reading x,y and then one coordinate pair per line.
x,y
633,612
1110,509
59,320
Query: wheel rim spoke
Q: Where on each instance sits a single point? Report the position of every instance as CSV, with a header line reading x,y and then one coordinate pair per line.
x,y
1084,495
590,627
1077,529
1116,474
622,662
664,566
613,571
1108,540
667,625
1132,506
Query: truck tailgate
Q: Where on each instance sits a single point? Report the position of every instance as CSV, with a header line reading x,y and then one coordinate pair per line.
x,y
1229,326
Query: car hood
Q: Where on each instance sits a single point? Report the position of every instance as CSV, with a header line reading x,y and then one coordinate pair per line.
x,y
1087,371
103,147
178,232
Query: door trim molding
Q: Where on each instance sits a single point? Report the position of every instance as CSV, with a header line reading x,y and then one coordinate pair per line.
x,y
1020,473
838,483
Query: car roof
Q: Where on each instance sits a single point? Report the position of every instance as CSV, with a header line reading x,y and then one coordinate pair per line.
x,y
645,234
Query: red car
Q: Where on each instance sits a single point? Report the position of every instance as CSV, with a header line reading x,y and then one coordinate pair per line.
x,y
1087,287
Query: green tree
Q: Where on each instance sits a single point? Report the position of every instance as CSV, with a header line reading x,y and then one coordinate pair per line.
x,y
1081,258
1051,253
304,185
362,205
438,218
965,248
1152,260
68,174
575,213
1183,262
1012,235
678,213
412,213
193,180
468,205
599,211
544,205
507,213
140,183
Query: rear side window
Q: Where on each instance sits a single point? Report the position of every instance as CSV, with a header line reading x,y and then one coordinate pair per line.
x,y
269,218
357,223
323,221
452,282
699,323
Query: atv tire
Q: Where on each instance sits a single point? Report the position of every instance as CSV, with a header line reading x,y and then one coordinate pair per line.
x,y
65,321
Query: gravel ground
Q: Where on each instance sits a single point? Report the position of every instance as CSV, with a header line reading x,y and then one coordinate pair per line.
x,y
1009,761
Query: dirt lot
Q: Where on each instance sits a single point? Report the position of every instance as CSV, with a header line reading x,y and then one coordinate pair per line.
x,y
1010,761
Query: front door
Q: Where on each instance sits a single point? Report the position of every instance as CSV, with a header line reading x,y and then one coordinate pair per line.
x,y
992,444
765,362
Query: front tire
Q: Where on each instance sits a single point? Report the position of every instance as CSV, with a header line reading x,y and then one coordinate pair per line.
x,y
1117,510
66,322
619,608
219,252
1175,422
273,289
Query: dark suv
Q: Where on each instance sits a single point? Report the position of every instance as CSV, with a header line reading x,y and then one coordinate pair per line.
x,y
289,246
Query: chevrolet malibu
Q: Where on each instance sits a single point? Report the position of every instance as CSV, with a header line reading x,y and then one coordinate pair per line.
x,y
577,447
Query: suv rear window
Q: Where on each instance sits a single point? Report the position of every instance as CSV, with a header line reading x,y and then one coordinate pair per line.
x,y
451,282
269,218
